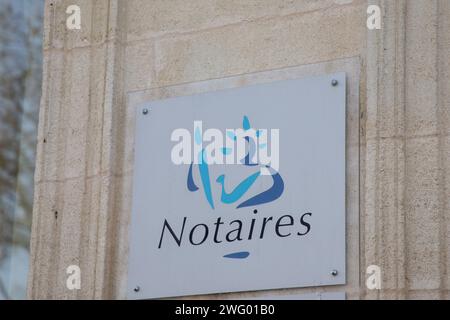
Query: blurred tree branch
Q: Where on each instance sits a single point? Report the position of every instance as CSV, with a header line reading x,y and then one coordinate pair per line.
x,y
20,92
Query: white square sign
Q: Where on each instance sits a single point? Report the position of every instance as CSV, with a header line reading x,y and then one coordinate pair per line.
x,y
240,190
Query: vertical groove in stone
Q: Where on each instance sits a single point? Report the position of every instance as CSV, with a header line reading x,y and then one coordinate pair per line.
x,y
103,240
384,161
422,151
113,263
89,185
399,105
443,84
368,192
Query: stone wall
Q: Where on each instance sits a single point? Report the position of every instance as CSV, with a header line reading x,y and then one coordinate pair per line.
x,y
85,151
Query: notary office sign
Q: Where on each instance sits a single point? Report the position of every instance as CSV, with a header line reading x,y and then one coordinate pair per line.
x,y
240,190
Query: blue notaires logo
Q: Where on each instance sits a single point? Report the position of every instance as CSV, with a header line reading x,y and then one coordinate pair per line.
x,y
235,196
269,195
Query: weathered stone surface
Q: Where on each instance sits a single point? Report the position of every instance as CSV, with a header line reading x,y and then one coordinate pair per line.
x,y
398,138
157,18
